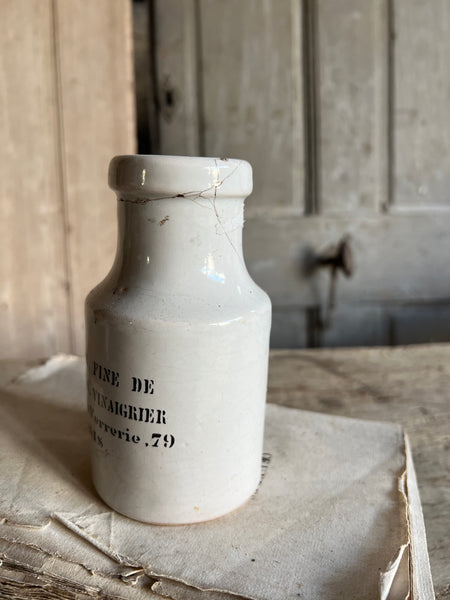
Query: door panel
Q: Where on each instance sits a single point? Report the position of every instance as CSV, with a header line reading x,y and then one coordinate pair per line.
x,y
252,94
399,258
421,98
351,60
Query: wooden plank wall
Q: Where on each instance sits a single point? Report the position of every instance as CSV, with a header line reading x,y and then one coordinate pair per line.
x,y
66,107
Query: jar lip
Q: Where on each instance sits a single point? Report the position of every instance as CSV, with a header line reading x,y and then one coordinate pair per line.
x,y
155,177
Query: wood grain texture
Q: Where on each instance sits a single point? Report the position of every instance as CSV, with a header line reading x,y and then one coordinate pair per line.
x,y
404,385
352,62
146,125
34,300
252,105
176,47
66,108
421,97
95,76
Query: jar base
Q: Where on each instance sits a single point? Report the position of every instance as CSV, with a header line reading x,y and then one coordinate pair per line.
x,y
183,522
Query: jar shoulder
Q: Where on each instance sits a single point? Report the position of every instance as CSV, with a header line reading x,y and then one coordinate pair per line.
x,y
244,300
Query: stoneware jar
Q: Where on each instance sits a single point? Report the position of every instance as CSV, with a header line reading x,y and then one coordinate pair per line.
x,y
177,345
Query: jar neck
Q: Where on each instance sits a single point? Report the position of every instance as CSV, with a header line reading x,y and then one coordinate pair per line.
x,y
169,241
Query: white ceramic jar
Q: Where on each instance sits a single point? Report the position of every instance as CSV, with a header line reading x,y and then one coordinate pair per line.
x,y
177,345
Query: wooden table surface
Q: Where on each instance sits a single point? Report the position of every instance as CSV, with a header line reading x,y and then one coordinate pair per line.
x,y
407,385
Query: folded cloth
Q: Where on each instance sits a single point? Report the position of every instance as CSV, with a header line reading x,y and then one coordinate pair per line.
x,y
336,516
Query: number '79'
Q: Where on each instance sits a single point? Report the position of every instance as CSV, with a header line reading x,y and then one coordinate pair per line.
x,y
167,440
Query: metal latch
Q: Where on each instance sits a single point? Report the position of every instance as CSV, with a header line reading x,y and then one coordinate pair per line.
x,y
338,258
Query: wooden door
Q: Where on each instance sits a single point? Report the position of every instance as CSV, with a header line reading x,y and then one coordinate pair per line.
x,y
342,108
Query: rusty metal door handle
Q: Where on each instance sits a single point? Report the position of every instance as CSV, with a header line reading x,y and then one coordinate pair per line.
x,y
338,258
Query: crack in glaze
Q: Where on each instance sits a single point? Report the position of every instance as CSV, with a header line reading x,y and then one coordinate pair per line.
x,y
195,195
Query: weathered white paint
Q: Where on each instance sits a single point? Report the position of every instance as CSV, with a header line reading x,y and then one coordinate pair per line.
x,y
367,152
252,105
96,110
421,100
34,299
176,51
352,78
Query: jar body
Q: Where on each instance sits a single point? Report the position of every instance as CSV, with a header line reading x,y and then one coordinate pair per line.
x,y
177,354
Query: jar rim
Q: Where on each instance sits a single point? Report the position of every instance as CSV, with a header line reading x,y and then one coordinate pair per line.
x,y
161,177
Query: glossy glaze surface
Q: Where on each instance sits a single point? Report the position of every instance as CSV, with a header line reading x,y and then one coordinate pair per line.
x,y
177,345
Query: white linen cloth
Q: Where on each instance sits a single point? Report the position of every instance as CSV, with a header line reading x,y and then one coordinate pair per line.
x,y
337,514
